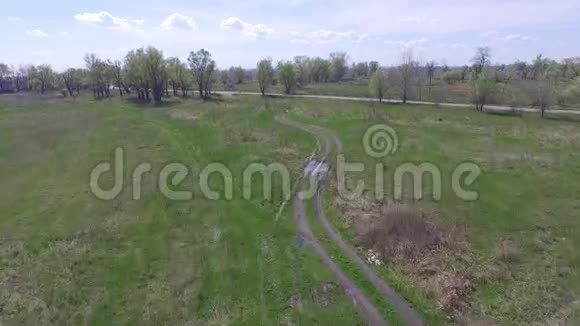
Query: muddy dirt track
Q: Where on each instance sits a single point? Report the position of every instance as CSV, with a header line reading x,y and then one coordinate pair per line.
x,y
331,142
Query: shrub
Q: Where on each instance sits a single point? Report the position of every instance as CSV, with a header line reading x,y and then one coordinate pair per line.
x,y
401,231
571,94
452,76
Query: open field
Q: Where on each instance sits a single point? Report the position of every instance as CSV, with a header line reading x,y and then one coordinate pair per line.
x,y
69,258
517,252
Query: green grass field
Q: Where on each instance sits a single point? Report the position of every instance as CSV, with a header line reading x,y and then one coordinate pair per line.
x,y
522,232
67,257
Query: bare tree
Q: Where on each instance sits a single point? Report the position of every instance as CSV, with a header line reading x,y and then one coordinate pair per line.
x,y
544,90
338,65
320,70
407,71
237,74
481,59
373,66
430,68
302,64
379,84
361,70
21,79
100,75
420,73
117,71
72,80
5,78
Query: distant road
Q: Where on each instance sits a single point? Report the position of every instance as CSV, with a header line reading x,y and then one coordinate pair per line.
x,y
488,108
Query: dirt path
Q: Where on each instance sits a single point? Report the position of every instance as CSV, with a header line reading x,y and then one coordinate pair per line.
x,y
488,108
331,140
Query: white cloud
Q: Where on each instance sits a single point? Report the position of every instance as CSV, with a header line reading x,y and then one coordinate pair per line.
x,y
417,19
494,36
458,46
322,36
138,21
42,53
13,19
64,34
177,21
514,37
488,34
103,19
252,31
36,33
449,16
408,44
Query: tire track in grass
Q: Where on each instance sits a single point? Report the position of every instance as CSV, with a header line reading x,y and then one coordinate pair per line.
x,y
402,308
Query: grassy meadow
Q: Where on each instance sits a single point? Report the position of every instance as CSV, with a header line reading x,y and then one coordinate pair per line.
x,y
67,257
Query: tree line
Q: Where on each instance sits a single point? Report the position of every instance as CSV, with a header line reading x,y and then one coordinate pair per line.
x,y
144,71
147,73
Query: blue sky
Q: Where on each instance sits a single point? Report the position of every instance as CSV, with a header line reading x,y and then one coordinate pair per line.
x,y
60,32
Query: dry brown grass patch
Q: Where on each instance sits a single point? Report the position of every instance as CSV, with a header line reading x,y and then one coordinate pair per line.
x,y
418,243
180,114
400,231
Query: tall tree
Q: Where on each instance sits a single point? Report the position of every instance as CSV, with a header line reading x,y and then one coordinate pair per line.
x,y
481,59
210,78
72,80
155,72
5,78
118,78
237,74
264,74
379,84
338,65
361,70
373,66
430,67
177,75
483,87
320,70
287,76
202,68
45,77
136,73
20,78
539,66
543,93
302,64
407,72
100,75
571,67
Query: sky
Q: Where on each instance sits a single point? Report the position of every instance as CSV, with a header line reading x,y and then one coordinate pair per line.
x,y
60,32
